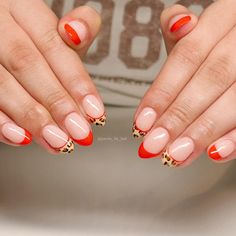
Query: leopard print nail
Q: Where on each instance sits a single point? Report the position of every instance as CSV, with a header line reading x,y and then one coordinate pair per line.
x,y
167,160
98,121
68,148
137,133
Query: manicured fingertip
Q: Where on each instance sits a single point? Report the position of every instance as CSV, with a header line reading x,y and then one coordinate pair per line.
x,y
144,154
75,33
88,141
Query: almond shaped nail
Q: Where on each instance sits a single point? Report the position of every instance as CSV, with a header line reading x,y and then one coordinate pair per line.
x,y
76,31
57,139
178,152
16,134
144,122
154,143
178,22
221,149
79,129
95,110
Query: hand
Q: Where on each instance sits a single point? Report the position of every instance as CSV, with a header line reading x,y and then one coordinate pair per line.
x,y
44,88
191,104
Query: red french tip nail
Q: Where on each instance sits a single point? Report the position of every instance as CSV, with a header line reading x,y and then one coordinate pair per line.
x,y
143,153
87,141
180,23
28,138
214,154
72,34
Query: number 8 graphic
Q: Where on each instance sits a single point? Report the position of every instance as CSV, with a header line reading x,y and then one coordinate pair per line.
x,y
149,30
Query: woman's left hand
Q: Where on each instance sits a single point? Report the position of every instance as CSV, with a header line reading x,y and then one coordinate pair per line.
x,y
191,105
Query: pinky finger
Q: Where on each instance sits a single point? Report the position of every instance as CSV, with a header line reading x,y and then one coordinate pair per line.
x,y
224,149
12,134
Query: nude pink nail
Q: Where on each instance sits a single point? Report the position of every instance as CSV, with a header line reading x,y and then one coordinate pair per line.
x,y
16,134
144,122
79,129
95,110
76,31
57,139
221,149
154,143
181,149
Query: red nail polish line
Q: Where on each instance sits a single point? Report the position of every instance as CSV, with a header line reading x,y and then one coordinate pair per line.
x,y
144,154
87,141
28,138
72,34
214,154
180,23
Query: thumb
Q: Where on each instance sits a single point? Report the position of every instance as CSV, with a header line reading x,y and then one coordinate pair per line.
x,y
176,22
79,28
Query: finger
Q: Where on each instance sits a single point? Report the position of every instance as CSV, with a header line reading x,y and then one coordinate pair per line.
x,y
224,149
64,61
19,106
22,59
213,78
186,58
79,28
208,127
176,22
12,134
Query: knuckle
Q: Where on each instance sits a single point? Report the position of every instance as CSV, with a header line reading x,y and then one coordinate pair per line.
x,y
205,129
180,114
159,94
218,72
55,100
22,57
34,112
51,41
187,52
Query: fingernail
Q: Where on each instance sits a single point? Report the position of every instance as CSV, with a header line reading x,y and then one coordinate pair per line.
x,y
79,129
144,122
76,31
16,134
154,143
221,150
178,22
57,139
178,152
95,110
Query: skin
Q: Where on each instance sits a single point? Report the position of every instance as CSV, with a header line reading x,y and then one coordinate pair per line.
x,y
33,55
197,84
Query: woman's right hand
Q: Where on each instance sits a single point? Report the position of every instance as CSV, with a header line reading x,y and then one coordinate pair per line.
x,y
44,88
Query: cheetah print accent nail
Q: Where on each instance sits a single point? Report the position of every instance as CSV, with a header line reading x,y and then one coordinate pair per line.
x,y
68,148
167,160
137,133
98,121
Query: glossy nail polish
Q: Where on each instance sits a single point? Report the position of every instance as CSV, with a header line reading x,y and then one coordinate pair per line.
x,y
95,110
144,122
79,129
76,31
178,152
154,143
16,134
178,22
221,150
57,139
